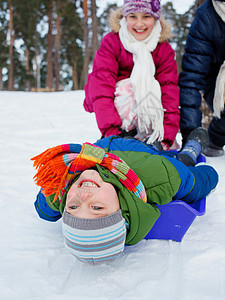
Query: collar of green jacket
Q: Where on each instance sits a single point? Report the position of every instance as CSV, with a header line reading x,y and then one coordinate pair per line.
x,y
140,216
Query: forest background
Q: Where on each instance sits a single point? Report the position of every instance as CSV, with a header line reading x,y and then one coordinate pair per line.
x,y
49,45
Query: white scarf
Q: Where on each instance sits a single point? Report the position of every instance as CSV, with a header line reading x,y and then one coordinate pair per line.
x,y
219,95
147,91
219,8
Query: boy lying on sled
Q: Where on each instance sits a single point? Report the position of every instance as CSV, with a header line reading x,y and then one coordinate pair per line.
x,y
107,192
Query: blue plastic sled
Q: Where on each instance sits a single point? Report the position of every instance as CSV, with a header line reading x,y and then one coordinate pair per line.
x,y
176,218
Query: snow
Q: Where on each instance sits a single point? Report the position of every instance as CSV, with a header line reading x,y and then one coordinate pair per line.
x,y
33,261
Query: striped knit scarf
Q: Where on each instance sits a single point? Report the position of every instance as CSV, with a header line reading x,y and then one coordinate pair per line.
x,y
58,166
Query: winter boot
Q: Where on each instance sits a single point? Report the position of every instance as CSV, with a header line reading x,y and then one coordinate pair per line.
x,y
190,153
212,150
199,135
196,140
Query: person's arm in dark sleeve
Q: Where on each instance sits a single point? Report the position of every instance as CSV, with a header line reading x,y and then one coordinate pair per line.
x,y
196,65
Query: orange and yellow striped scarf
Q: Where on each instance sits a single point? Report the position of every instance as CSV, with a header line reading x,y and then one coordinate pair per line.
x,y
58,166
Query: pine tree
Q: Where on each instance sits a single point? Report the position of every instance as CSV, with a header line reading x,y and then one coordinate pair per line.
x,y
71,45
103,20
180,27
11,47
4,49
57,51
94,27
27,16
86,43
49,81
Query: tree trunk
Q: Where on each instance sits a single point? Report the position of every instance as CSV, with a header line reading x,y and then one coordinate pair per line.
x,y
1,81
12,38
94,28
86,40
28,86
37,73
57,53
49,50
75,76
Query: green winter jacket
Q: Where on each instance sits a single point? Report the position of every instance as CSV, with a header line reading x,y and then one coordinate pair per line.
x,y
160,178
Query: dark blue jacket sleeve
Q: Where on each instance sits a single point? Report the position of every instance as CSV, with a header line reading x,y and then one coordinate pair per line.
x,y
204,54
44,211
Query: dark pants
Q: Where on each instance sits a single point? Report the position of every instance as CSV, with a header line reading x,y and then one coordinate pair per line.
x,y
216,130
206,179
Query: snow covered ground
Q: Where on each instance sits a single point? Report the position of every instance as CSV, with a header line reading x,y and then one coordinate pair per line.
x,y
33,262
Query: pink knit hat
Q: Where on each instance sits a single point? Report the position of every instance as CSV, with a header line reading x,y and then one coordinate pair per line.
x,y
151,7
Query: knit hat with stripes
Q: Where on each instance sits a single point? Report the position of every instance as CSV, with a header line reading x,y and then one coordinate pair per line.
x,y
151,7
94,241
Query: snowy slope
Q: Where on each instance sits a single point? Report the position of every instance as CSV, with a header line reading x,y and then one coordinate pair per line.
x,y
33,262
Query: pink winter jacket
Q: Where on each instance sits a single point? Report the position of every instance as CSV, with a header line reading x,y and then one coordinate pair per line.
x,y
113,63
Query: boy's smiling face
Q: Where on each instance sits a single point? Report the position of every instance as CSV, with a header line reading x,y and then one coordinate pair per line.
x,y
90,197
140,25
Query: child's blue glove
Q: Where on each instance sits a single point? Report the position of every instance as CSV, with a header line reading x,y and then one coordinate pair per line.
x,y
44,211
